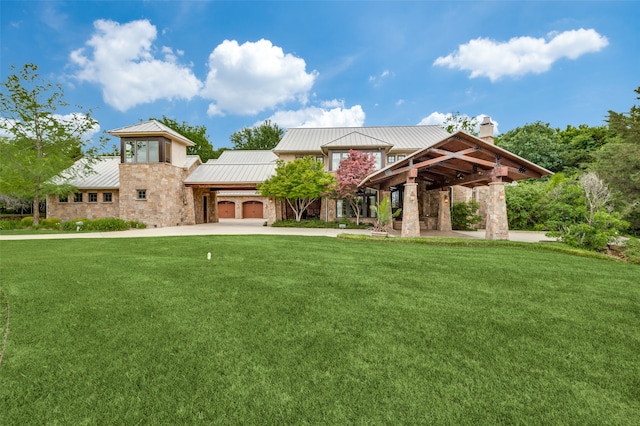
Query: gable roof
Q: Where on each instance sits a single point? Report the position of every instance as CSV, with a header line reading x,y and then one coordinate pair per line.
x,y
230,175
399,138
354,140
459,159
151,128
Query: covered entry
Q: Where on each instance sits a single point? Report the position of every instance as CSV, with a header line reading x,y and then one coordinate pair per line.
x,y
252,210
459,159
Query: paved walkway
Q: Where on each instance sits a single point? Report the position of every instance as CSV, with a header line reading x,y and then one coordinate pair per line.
x,y
255,227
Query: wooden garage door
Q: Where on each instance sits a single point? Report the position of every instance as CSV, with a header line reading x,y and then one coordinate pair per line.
x,y
252,209
226,209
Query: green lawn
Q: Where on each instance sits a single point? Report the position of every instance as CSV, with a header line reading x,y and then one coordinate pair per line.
x,y
293,330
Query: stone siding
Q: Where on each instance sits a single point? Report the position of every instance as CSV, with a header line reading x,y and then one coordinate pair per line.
x,y
69,210
167,200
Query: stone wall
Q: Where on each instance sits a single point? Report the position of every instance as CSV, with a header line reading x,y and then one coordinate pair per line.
x,y
69,210
167,200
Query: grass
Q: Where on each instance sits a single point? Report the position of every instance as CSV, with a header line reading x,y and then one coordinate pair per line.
x,y
291,330
318,223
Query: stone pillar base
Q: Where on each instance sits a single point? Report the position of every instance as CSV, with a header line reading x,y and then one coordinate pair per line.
x,y
410,211
444,212
497,227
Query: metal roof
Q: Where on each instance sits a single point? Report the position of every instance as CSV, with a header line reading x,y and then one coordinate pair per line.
x,y
401,138
103,174
216,173
246,157
150,128
238,194
356,140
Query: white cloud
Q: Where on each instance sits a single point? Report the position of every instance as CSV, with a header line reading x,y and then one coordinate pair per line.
x,y
321,117
521,55
121,60
377,80
72,120
252,77
438,118
435,118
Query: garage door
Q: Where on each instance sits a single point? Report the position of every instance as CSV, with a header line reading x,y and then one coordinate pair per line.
x,y
252,209
226,209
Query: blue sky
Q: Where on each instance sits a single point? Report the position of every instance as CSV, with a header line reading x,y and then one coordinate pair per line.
x,y
229,65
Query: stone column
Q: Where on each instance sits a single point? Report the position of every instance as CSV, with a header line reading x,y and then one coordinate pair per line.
x,y
214,215
410,211
497,227
444,211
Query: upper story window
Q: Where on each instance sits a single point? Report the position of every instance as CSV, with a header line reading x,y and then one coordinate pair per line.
x,y
146,150
337,156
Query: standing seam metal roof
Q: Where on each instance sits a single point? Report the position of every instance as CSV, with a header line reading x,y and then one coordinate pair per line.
x,y
105,174
152,127
231,173
400,137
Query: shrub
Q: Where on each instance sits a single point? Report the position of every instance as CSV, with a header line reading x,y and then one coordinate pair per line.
x,y
136,224
632,250
463,215
10,224
102,225
604,228
106,224
50,223
27,222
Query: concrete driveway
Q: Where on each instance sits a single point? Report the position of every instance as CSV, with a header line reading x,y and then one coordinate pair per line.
x,y
255,227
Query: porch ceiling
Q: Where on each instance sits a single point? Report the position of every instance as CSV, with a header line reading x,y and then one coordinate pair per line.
x,y
459,159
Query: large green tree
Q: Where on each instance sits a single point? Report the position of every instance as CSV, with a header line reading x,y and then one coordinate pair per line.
x,y
537,142
579,145
196,134
618,162
41,143
265,136
300,183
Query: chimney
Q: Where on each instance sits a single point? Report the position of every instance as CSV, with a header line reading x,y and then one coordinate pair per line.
x,y
486,130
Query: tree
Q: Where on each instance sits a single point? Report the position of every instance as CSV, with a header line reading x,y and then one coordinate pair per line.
x,y
456,121
265,136
618,163
299,182
537,142
351,171
596,195
42,144
196,134
579,144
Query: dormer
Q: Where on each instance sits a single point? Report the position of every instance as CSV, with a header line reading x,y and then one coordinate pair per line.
x,y
151,142
338,149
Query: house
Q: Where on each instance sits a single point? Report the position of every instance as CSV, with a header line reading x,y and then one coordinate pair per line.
x,y
419,167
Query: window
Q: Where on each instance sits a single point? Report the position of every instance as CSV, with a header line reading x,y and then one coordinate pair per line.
x,y
365,200
63,198
391,159
146,151
77,197
107,197
320,158
141,194
338,156
93,197
401,157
